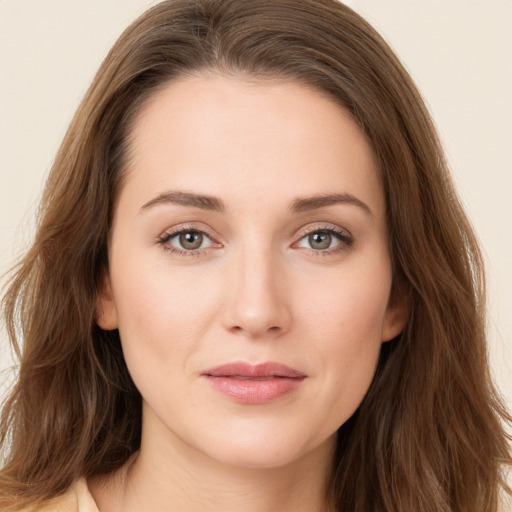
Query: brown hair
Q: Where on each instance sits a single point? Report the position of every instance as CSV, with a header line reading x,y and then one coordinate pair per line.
x,y
428,435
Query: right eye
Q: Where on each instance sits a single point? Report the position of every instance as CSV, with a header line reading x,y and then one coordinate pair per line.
x,y
189,240
186,241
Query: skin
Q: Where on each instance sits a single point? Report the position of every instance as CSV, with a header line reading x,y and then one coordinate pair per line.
x,y
260,288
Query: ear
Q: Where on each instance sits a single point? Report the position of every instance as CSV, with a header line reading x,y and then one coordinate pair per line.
x,y
106,311
397,314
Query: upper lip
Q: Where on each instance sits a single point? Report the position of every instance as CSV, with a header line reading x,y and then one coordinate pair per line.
x,y
247,370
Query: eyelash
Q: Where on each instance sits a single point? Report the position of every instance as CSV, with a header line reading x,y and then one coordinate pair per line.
x,y
345,241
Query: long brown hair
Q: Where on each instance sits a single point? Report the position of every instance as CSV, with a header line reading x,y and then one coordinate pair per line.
x,y
428,436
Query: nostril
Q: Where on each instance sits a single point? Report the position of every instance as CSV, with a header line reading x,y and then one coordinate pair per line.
x,y
239,329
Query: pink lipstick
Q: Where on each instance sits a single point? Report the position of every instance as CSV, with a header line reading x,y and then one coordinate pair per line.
x,y
254,384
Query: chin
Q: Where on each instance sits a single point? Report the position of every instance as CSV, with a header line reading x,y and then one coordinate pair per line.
x,y
267,449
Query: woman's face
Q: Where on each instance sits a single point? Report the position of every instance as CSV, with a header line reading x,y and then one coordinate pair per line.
x,y
249,269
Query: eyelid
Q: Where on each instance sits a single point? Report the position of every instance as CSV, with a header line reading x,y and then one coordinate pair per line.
x,y
313,228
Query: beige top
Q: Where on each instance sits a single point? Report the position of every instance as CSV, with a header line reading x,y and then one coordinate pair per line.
x,y
77,499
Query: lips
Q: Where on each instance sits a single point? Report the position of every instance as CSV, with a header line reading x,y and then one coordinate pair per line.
x,y
254,384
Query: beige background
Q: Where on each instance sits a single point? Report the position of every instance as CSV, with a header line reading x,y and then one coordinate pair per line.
x,y
459,52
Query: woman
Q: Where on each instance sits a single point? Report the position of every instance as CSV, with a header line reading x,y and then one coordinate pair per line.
x,y
252,284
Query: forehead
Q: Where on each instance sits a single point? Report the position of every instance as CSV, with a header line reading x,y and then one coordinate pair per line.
x,y
236,138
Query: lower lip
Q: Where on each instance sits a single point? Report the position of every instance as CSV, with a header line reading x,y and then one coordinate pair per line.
x,y
254,391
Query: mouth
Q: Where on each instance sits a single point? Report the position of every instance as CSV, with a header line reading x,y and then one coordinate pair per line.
x,y
254,384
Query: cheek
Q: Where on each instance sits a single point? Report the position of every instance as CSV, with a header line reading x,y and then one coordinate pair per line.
x,y
348,340
348,305
344,329
161,314
155,297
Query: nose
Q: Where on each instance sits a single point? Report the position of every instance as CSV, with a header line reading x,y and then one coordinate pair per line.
x,y
257,304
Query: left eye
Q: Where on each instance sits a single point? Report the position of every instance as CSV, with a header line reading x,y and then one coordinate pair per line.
x,y
190,240
320,240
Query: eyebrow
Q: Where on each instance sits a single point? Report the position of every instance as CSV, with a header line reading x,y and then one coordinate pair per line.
x,y
322,200
187,199
205,202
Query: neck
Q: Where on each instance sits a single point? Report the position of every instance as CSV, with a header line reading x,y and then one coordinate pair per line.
x,y
167,476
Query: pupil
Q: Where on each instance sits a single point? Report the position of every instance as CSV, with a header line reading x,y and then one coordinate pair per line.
x,y
191,240
320,240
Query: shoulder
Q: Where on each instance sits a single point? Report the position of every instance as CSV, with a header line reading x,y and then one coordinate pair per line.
x,y
77,499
